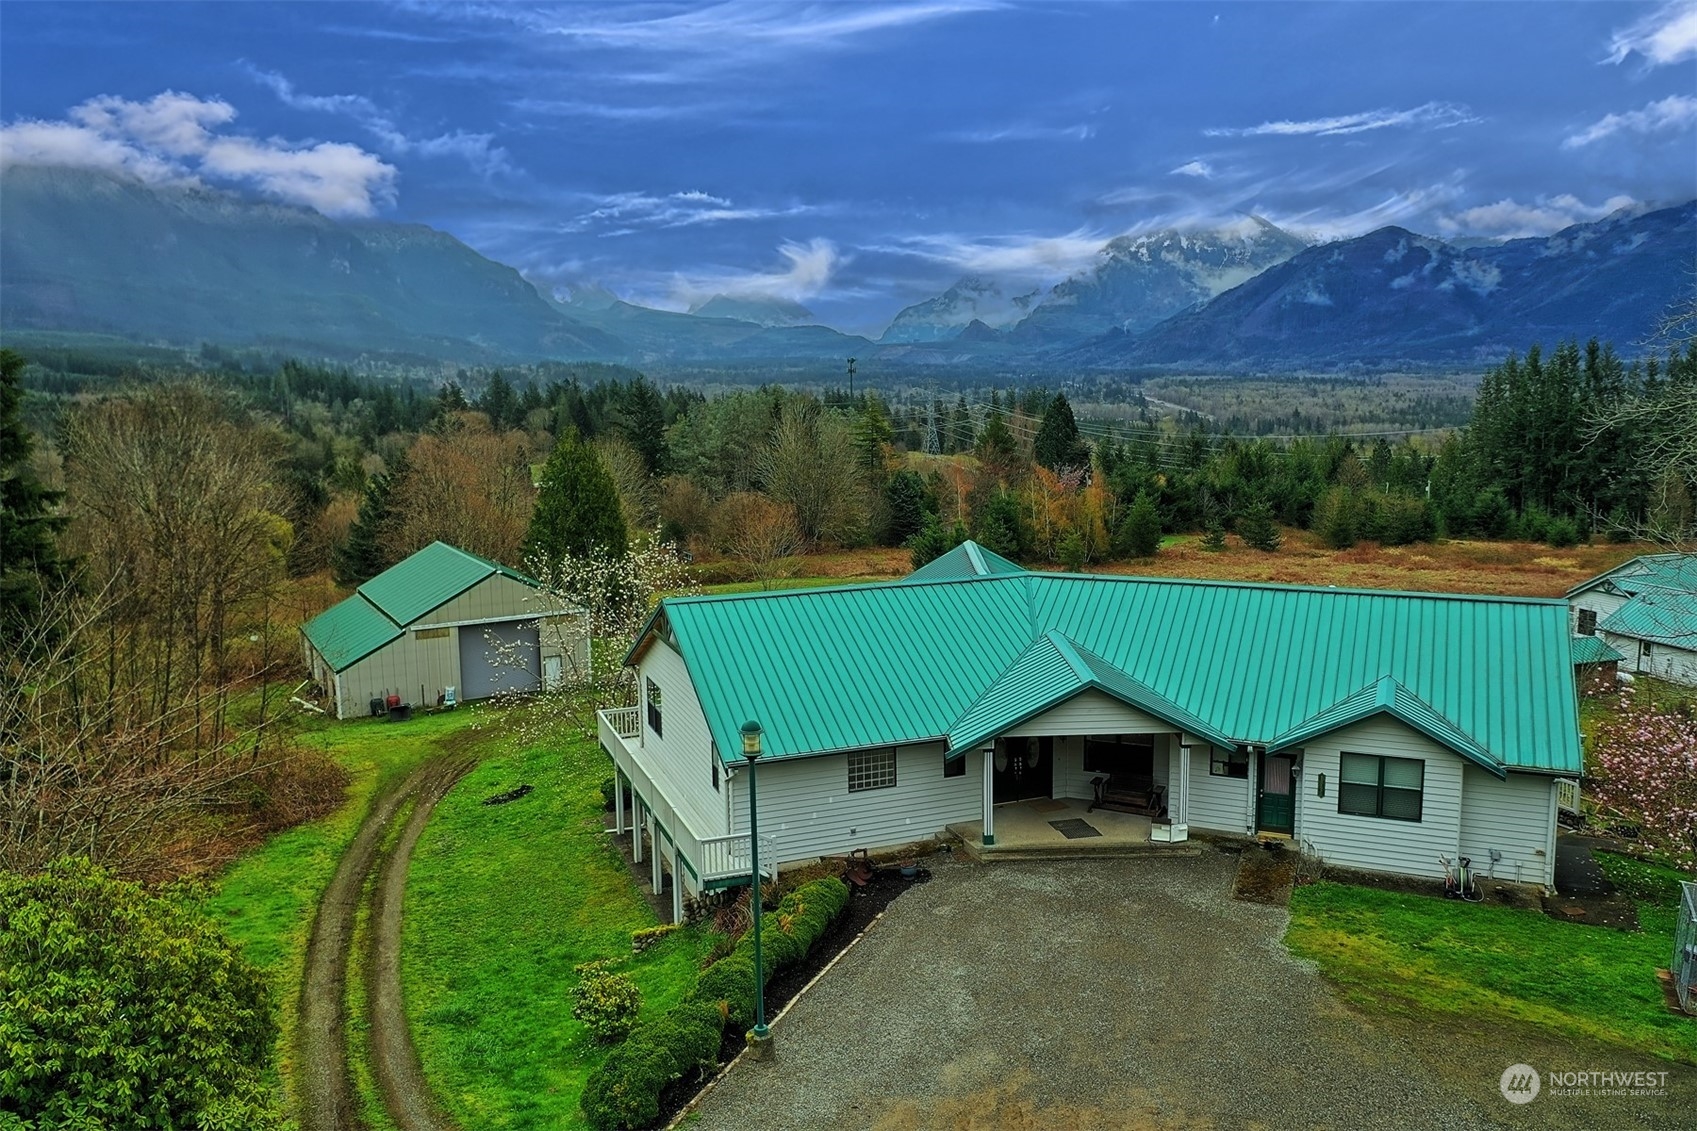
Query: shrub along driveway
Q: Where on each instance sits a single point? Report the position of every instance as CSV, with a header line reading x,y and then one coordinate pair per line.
x,y
1127,994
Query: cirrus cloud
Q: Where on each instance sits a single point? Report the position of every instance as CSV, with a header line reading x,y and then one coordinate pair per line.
x,y
178,137
1667,35
1432,115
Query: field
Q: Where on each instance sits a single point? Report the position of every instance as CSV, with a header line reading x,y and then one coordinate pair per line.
x,y
1516,569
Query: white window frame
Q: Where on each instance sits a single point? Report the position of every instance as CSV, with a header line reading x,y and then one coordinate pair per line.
x,y
871,769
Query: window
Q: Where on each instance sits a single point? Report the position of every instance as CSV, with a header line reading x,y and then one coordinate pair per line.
x,y
1587,622
1228,763
653,697
954,767
714,754
1370,785
871,769
429,633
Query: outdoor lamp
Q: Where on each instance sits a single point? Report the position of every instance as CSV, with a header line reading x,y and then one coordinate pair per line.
x,y
759,1038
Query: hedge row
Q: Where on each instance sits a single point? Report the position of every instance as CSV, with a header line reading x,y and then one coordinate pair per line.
x,y
625,1091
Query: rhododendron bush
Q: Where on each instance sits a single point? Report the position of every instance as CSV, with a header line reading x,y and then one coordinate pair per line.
x,y
1645,759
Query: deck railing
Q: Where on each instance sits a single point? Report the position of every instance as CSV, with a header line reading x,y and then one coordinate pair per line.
x,y
709,859
1567,795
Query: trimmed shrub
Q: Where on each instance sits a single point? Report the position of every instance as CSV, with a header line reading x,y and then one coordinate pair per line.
x,y
605,1002
624,1093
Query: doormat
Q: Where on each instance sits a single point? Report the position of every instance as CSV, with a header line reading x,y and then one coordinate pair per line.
x,y
1047,806
1075,829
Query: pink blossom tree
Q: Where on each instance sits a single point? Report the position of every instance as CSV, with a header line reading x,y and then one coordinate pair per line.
x,y
1645,759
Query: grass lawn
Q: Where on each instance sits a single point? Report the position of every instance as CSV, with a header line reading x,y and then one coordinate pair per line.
x,y
1420,954
502,902
265,900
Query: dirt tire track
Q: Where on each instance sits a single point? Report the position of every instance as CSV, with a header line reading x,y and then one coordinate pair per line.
x,y
394,1057
323,1080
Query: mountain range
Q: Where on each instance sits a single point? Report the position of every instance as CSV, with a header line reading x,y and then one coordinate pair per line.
x,y
92,252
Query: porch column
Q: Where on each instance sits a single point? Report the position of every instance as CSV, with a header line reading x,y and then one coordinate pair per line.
x,y
654,850
618,802
1179,810
989,756
677,886
636,828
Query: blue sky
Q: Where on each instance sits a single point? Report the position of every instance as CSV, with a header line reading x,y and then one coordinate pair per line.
x,y
857,158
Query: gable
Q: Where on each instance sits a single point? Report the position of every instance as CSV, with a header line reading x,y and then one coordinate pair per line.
x,y
1092,712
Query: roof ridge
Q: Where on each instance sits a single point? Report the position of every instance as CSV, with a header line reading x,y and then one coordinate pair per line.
x,y
1069,651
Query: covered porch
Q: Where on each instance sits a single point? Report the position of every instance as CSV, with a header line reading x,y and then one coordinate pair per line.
x,y
1063,826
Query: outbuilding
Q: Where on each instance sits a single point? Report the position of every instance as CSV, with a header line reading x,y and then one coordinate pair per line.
x,y
1646,610
443,618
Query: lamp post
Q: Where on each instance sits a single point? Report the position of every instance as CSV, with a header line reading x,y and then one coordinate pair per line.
x,y
759,1038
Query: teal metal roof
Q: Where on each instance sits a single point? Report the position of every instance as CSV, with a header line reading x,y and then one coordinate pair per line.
x,y
1675,572
1594,650
968,559
1388,697
875,665
380,610
1048,673
1663,616
349,631
433,576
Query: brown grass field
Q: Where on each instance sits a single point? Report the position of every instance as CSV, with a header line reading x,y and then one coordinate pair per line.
x,y
1515,569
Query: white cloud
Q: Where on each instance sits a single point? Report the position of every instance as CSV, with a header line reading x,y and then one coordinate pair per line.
x,y
1667,35
1194,169
1432,115
728,27
623,213
1405,206
1675,112
807,270
477,150
1023,131
1016,256
1511,219
179,137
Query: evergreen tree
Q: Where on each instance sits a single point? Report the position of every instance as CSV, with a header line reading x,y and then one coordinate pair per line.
x,y
1257,528
577,510
1214,540
1140,531
643,421
29,559
997,449
933,540
500,403
452,398
1058,444
1335,518
961,434
904,507
362,556
996,525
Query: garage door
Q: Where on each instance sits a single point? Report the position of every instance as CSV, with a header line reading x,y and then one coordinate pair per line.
x,y
501,657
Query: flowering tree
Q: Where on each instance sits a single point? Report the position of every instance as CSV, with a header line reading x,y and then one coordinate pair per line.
x,y
616,595
1646,769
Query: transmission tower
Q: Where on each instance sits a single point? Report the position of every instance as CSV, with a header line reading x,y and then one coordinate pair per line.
x,y
932,445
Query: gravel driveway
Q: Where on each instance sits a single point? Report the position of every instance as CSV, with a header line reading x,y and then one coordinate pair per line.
x,y
1090,994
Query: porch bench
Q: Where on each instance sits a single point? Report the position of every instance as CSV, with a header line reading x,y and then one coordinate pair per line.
x,y
1130,796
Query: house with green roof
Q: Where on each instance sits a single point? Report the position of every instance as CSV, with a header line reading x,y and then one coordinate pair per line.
x,y
443,618
1646,611
1377,730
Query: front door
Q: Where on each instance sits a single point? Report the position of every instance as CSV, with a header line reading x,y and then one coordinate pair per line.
x,y
1023,768
1275,806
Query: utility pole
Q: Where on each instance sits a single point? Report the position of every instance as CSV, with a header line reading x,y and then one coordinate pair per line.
x,y
851,380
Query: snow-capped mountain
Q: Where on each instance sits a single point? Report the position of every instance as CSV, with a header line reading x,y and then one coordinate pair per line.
x,y
972,299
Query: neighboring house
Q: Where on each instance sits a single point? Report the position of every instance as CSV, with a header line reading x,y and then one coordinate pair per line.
x,y
1379,730
1646,609
442,618
1595,663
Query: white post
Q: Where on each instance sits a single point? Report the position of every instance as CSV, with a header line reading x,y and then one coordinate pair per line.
x,y
989,756
677,887
1178,812
618,802
654,846
636,828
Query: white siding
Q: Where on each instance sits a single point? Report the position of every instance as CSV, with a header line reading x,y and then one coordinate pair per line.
x,y
1598,600
1678,665
680,759
806,805
1378,844
1516,817
1091,712
1218,804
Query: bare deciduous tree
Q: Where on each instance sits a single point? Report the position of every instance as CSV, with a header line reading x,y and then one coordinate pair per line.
x,y
467,486
811,465
759,533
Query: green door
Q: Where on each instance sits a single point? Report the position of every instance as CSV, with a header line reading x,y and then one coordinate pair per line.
x,y
1275,808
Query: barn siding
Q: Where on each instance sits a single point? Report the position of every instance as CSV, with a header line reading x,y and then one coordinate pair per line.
x,y
401,666
806,805
1516,817
1374,843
